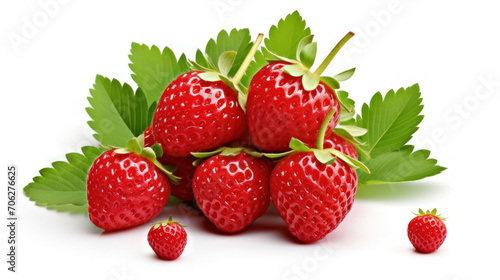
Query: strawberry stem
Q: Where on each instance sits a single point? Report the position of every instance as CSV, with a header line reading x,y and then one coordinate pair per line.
x,y
333,53
322,130
241,71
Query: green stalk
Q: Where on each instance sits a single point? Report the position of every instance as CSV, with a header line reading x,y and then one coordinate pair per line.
x,y
332,54
241,71
322,130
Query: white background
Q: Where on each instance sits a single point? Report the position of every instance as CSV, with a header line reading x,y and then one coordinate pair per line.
x,y
451,48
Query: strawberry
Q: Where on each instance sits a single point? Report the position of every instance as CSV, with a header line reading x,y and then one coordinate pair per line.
x,y
232,190
196,115
427,231
185,169
279,108
314,189
167,239
126,188
287,100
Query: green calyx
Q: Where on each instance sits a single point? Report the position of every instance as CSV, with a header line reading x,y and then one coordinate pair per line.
x,y
136,145
305,57
325,156
222,71
224,151
170,221
432,213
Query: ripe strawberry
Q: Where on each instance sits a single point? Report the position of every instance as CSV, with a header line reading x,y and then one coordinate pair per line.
x,y
313,189
279,108
286,99
195,115
167,239
232,191
125,190
185,170
312,197
427,231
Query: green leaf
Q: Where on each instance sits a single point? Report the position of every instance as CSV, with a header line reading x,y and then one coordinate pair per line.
x,y
352,162
226,61
299,146
308,54
117,113
390,121
154,70
304,42
324,156
295,70
238,40
344,76
284,38
347,109
64,186
209,76
278,155
402,165
352,130
331,82
310,81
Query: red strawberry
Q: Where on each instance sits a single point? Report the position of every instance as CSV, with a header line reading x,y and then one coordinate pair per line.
x,y
148,137
185,169
312,197
286,99
125,190
278,108
427,231
314,188
167,239
232,191
196,115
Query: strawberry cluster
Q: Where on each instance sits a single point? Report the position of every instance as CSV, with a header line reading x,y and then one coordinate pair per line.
x,y
234,151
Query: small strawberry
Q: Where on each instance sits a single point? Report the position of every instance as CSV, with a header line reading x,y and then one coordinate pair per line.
x,y
232,190
427,231
167,239
313,189
286,99
126,187
185,169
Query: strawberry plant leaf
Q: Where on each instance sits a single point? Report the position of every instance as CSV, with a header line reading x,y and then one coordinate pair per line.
x,y
295,70
391,121
63,187
310,81
153,69
226,61
237,40
402,165
284,38
304,42
344,76
117,113
346,114
308,54
331,82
